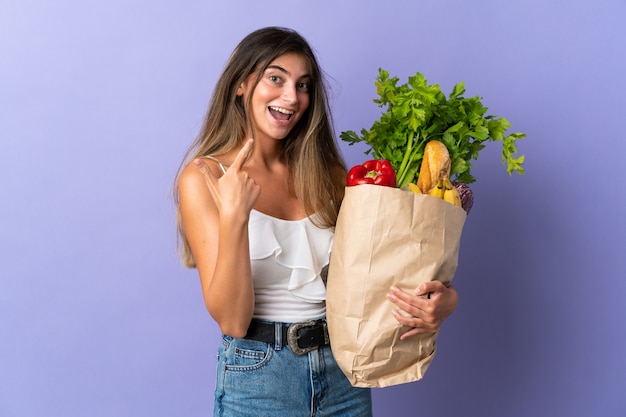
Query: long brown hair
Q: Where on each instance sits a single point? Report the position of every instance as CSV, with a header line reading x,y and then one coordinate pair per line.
x,y
310,149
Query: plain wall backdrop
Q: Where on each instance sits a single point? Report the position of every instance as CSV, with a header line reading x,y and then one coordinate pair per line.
x,y
99,100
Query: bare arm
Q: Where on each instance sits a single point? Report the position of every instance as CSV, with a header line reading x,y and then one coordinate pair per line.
x,y
215,214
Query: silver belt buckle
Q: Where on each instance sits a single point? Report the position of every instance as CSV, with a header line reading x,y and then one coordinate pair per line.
x,y
292,338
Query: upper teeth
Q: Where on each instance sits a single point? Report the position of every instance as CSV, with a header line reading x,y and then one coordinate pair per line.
x,y
281,110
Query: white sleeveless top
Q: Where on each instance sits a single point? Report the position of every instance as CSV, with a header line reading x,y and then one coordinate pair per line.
x,y
287,258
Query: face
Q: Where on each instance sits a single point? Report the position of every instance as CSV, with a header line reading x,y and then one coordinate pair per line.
x,y
280,98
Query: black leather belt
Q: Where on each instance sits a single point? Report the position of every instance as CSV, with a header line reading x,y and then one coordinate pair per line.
x,y
300,337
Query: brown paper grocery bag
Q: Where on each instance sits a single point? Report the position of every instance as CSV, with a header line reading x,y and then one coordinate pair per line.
x,y
386,236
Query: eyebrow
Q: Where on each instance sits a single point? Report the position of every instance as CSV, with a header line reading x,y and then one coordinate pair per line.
x,y
283,70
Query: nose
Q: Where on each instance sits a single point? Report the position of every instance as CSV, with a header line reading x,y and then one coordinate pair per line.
x,y
290,93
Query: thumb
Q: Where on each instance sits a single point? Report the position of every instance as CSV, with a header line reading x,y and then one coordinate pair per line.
x,y
203,168
209,179
429,287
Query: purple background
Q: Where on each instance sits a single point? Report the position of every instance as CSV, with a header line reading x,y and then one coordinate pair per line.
x,y
99,100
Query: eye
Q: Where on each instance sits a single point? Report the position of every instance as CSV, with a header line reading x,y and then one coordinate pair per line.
x,y
274,78
304,86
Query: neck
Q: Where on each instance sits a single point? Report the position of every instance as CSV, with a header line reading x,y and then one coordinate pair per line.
x,y
267,152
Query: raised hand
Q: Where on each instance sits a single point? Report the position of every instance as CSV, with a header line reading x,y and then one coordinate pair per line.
x,y
234,193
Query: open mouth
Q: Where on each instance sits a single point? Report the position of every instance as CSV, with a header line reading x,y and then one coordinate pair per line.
x,y
281,114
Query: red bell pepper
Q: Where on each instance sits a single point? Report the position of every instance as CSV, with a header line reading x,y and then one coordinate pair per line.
x,y
376,171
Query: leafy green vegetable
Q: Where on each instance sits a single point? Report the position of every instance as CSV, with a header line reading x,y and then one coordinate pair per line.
x,y
417,113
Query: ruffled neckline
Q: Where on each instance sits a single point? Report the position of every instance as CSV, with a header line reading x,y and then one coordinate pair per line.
x,y
298,245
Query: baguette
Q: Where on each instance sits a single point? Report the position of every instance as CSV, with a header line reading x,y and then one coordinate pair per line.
x,y
435,165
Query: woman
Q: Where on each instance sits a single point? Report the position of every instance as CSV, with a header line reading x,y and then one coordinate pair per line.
x,y
258,196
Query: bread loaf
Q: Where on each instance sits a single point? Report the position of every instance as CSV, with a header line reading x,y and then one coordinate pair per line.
x,y
435,165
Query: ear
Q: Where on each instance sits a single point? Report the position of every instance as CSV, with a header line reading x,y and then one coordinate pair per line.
x,y
240,90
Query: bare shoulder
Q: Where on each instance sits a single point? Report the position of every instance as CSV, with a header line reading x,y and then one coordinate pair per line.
x,y
194,195
197,208
191,178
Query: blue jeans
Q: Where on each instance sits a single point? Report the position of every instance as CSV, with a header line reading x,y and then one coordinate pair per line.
x,y
256,379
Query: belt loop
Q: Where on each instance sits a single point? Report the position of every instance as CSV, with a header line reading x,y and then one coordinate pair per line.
x,y
278,336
